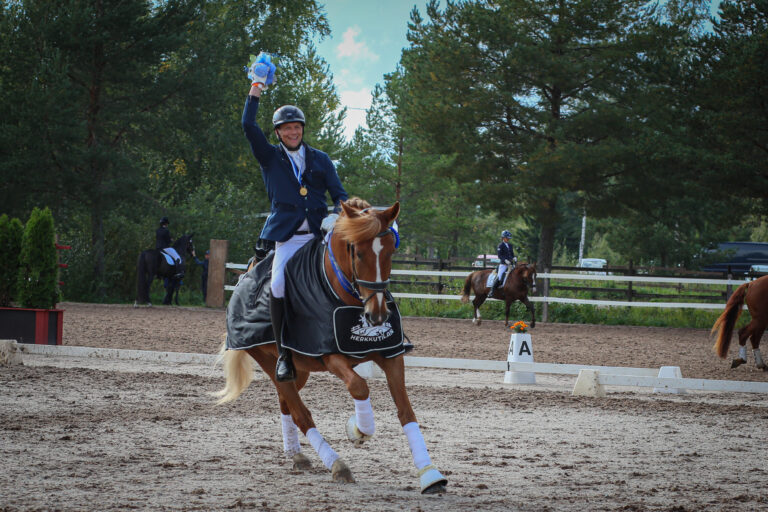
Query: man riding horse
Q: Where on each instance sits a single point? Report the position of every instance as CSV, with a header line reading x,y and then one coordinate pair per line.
x,y
296,177
506,258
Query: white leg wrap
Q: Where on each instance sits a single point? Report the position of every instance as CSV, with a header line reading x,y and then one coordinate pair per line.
x,y
758,358
291,445
743,352
364,416
321,446
418,446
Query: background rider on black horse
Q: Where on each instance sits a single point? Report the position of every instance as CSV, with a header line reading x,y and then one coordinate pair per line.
x,y
297,178
163,235
506,258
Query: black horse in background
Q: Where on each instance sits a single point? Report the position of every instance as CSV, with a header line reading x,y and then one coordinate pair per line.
x,y
152,264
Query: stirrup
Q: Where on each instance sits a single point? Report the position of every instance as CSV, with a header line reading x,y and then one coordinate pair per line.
x,y
290,370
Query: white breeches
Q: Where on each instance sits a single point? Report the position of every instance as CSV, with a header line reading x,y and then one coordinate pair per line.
x,y
283,252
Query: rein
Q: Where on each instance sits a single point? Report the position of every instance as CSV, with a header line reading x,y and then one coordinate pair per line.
x,y
352,287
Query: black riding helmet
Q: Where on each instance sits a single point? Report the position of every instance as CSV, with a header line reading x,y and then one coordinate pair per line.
x,y
287,114
164,220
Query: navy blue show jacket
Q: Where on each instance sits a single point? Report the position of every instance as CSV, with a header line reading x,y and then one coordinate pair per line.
x,y
289,208
504,252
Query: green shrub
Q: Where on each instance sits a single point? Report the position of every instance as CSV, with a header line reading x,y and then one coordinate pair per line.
x,y
38,266
11,231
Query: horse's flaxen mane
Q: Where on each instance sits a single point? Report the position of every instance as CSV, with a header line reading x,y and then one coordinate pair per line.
x,y
361,227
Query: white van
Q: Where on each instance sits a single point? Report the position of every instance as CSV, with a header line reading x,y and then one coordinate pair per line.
x,y
486,260
593,263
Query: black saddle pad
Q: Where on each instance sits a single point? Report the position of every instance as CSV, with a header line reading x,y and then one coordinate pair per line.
x,y
248,321
317,322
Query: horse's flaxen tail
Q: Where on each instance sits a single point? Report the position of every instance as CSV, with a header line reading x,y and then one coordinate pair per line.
x,y
727,320
238,371
467,288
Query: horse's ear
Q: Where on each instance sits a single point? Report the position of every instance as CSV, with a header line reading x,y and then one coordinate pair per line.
x,y
392,212
349,211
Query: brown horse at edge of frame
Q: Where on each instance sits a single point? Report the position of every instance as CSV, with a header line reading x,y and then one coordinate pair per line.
x,y
755,295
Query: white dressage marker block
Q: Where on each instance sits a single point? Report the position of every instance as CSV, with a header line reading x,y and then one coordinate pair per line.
x,y
369,370
669,372
520,351
587,384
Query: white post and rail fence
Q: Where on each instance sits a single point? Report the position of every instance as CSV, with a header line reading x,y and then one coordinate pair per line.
x,y
591,380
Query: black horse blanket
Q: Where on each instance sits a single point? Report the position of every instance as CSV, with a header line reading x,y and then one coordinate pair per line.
x,y
317,322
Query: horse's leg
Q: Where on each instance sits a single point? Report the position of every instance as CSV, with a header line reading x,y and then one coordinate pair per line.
x,y
361,426
291,402
757,333
744,334
532,309
507,304
477,302
431,480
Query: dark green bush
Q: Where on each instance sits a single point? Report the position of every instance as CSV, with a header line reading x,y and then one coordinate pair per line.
x,y
38,265
11,231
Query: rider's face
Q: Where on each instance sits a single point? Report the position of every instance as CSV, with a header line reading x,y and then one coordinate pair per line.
x,y
290,134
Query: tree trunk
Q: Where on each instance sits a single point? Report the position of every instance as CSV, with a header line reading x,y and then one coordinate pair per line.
x,y
547,239
97,246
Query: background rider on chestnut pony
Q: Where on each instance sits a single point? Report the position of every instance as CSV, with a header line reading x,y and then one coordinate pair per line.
x,y
506,257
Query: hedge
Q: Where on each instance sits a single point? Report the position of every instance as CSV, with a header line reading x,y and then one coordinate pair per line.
x,y
11,232
38,266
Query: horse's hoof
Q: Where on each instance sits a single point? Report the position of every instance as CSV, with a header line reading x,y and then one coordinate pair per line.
x,y
354,434
301,462
431,480
737,362
340,472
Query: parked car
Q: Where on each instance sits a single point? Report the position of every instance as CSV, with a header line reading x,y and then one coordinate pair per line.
x,y
486,260
739,256
592,262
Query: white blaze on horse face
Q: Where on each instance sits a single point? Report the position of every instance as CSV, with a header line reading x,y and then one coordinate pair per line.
x,y
377,246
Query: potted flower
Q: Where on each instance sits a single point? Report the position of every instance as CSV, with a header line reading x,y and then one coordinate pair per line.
x,y
519,326
34,287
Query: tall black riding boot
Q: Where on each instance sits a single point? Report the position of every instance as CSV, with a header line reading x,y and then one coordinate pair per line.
x,y
284,372
493,287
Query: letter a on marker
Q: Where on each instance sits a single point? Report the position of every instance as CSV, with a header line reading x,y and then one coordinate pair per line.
x,y
524,349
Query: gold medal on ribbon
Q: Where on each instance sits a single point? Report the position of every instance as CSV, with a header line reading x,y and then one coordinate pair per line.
x,y
303,190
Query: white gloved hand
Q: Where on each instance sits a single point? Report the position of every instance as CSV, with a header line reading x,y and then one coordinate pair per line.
x,y
329,222
261,70
515,260
506,262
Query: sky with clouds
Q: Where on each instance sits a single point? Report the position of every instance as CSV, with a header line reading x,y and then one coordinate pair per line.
x,y
367,37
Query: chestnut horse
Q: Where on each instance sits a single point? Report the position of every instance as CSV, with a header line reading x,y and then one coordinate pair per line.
x,y
755,295
520,281
360,247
